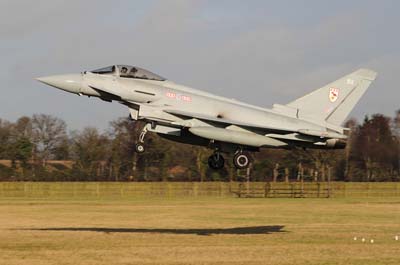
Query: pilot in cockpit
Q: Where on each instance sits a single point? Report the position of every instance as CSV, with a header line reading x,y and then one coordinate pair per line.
x,y
133,71
124,70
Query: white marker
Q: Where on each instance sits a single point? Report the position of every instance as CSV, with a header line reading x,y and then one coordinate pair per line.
x,y
363,240
396,238
372,241
355,238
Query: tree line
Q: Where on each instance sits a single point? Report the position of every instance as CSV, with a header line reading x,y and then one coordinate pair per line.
x,y
40,148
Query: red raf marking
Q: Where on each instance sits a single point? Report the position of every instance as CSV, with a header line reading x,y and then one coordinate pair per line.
x,y
171,95
178,97
186,98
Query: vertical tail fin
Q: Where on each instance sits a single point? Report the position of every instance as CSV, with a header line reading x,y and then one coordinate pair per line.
x,y
334,102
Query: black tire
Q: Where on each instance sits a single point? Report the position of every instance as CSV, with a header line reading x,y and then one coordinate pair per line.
x,y
241,160
139,148
216,161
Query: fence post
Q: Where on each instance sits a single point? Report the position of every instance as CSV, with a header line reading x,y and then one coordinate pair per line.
x,y
329,182
248,181
25,189
292,189
286,175
397,189
267,189
276,172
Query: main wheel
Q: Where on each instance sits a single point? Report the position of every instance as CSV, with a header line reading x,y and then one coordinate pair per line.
x,y
216,161
241,160
139,148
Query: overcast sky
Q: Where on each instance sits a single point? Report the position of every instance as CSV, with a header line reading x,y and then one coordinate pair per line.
x,y
260,52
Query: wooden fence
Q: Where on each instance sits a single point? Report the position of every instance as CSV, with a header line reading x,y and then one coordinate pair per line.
x,y
97,190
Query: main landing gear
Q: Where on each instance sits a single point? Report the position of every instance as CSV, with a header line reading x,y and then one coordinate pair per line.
x,y
241,160
216,161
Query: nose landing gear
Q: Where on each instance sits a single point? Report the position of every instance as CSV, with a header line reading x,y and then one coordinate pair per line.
x,y
139,147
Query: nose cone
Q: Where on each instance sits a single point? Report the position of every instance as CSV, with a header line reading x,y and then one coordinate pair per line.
x,y
70,83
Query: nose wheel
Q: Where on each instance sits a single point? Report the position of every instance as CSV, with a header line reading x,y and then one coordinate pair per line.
x,y
139,148
241,160
216,161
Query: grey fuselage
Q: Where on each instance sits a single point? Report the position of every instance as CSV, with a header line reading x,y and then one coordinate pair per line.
x,y
188,115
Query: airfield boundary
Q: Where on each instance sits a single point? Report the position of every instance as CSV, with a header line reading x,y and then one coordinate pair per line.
x,y
104,190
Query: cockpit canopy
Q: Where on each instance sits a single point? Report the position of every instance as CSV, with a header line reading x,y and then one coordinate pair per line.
x,y
127,71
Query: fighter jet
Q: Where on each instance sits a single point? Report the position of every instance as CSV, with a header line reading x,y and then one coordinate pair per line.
x,y
227,126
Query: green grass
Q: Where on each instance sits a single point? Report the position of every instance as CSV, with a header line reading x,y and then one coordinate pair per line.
x,y
198,230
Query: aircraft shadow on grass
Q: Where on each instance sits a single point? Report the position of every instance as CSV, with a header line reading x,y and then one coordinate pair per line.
x,y
251,230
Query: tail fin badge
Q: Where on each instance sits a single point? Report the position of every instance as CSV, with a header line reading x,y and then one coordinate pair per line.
x,y
333,94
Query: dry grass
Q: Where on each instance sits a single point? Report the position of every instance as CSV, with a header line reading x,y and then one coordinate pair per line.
x,y
199,231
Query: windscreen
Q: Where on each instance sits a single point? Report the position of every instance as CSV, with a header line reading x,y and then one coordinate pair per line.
x,y
105,70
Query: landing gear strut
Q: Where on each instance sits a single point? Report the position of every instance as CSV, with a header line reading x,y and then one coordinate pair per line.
x,y
241,160
139,147
216,161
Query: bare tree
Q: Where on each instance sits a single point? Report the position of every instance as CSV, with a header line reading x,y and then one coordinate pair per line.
x,y
200,165
23,127
90,151
123,158
5,137
375,149
396,122
48,133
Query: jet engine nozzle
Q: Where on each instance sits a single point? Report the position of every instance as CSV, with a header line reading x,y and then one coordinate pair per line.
x,y
336,143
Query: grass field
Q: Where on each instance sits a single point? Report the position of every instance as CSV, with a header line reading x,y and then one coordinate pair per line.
x,y
203,230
